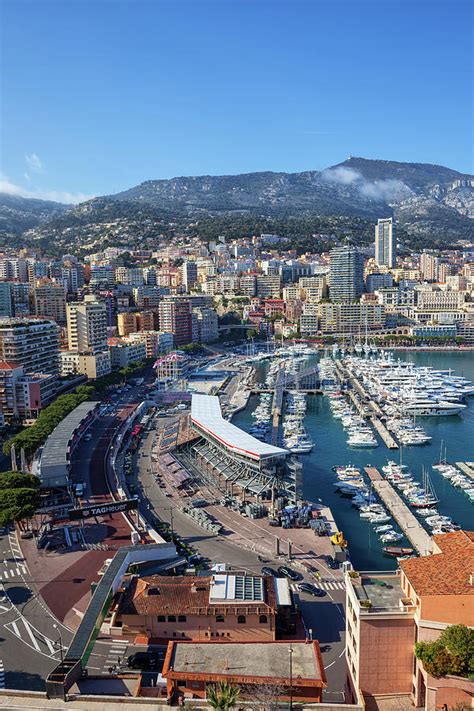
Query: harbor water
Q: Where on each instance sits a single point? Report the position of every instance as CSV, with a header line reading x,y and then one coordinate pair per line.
x,y
455,433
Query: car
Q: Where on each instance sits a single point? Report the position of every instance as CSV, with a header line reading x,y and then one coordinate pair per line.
x,y
79,489
145,660
332,562
311,589
289,573
87,437
269,571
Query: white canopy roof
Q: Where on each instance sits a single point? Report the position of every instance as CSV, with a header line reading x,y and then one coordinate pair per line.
x,y
206,414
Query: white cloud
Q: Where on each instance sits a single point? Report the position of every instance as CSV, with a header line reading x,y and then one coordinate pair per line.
x,y
341,175
6,186
386,190
34,163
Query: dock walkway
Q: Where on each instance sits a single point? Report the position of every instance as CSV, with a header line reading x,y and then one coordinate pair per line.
x,y
466,468
409,524
384,433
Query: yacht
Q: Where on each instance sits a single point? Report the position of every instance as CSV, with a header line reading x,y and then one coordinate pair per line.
x,y
433,408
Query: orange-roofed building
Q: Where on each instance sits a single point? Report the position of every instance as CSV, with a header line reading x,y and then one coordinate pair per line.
x,y
387,613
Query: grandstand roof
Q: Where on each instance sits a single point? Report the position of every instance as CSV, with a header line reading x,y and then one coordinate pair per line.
x,y
207,415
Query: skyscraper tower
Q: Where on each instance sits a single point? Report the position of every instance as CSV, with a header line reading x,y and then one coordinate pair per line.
x,y
346,274
385,245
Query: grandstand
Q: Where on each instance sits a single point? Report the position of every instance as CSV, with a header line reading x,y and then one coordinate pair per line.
x,y
228,457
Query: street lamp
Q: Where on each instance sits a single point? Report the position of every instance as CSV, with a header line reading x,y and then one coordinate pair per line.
x,y
290,650
60,642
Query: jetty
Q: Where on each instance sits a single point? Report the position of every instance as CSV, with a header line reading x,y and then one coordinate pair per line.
x,y
384,433
467,468
409,524
277,404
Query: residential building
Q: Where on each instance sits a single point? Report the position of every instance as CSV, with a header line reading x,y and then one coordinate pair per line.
x,y
32,343
131,276
127,323
87,325
146,320
12,268
309,320
6,300
350,318
385,243
292,291
436,299
49,300
124,352
387,612
20,298
152,341
93,365
101,276
207,325
176,317
346,274
429,265
147,297
376,281
189,274
294,309
248,285
23,395
268,286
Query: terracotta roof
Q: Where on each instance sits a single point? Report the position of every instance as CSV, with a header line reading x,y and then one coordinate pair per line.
x,y
8,365
179,595
445,573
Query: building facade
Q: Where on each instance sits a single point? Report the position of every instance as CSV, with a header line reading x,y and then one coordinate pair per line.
x,y
346,274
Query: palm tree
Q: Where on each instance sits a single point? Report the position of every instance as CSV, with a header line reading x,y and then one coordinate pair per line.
x,y
222,696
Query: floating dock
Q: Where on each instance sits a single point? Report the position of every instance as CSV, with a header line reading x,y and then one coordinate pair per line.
x,y
409,524
466,468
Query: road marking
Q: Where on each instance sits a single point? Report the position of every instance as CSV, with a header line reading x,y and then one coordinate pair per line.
x,y
2,675
16,631
31,636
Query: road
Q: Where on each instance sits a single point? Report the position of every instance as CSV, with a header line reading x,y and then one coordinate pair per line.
x,y
31,634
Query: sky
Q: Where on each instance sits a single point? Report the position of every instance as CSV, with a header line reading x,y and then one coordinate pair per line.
x,y
100,95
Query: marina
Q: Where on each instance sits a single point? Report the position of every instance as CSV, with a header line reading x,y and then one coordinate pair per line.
x,y
331,448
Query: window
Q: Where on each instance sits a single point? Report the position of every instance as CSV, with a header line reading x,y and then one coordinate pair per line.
x,y
241,620
263,619
181,618
161,618
171,618
219,618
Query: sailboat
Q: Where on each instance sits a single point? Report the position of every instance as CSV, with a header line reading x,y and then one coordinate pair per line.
x,y
428,497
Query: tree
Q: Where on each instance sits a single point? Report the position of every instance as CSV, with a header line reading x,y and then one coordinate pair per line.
x,y
451,653
19,497
222,696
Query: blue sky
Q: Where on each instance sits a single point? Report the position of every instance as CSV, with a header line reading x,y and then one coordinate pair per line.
x,y
99,95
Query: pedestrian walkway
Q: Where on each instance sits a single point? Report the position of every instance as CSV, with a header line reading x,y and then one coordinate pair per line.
x,y
16,572
324,585
116,654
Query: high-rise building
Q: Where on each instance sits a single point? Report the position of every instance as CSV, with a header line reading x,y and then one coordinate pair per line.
x,y
429,266
126,322
6,302
50,300
385,244
189,274
346,274
32,343
176,318
87,325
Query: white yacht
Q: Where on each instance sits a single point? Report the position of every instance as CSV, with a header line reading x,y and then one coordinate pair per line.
x,y
433,408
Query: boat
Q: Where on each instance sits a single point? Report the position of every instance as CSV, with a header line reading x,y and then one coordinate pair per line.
x,y
397,551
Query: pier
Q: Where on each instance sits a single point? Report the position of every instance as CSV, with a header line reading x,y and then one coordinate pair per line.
x,y
277,404
409,524
384,433
466,468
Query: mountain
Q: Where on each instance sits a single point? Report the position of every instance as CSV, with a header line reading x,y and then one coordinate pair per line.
x,y
18,214
425,199
433,205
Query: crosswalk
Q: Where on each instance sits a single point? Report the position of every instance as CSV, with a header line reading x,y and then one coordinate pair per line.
x,y
33,638
2,675
5,604
15,572
325,585
115,654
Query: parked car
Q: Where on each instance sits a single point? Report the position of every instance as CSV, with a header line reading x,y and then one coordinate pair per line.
x,y
269,571
289,573
311,589
79,489
145,660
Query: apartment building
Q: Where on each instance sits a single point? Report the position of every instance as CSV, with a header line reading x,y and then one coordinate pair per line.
x,y
385,243
268,286
436,299
87,325
386,613
130,276
350,318
32,343
207,325
93,365
23,395
346,274
6,301
49,299
124,352
189,274
101,276
155,342
127,323
147,297
176,317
